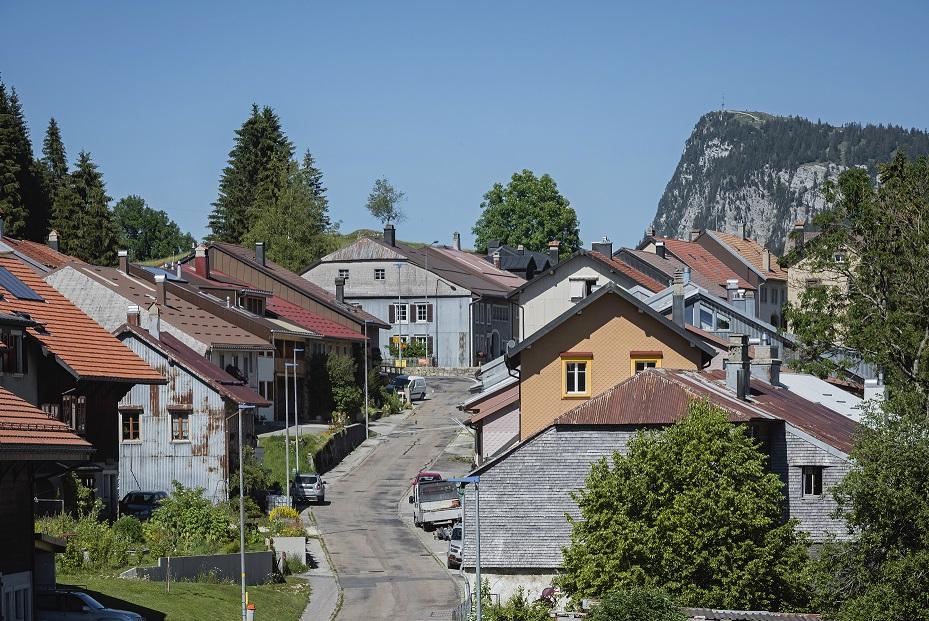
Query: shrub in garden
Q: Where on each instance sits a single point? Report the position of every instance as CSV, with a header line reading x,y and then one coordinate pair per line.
x,y
186,522
637,604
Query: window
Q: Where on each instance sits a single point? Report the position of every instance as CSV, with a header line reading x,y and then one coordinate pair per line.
x,y
422,312
641,360
722,322
839,257
131,426
812,480
764,294
52,410
180,426
706,319
812,283
254,305
12,356
380,273
266,390
401,313
74,412
575,373
501,312
343,273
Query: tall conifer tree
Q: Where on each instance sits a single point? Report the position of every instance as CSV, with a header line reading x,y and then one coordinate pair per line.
x,y
10,196
54,157
82,216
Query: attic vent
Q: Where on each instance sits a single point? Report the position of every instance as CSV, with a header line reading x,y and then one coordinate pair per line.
x,y
18,288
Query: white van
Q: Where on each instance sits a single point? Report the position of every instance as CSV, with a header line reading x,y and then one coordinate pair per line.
x,y
417,387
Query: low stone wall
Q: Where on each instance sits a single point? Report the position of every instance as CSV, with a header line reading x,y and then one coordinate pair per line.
x,y
468,372
259,567
338,446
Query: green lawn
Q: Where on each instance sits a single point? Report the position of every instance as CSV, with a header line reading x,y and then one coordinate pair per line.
x,y
192,601
274,453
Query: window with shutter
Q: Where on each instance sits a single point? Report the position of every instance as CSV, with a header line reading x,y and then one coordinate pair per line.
x,y
429,312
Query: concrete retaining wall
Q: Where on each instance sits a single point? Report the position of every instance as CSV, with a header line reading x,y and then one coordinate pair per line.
x,y
338,446
259,566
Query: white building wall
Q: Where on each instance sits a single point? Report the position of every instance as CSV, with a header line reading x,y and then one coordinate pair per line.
x,y
547,297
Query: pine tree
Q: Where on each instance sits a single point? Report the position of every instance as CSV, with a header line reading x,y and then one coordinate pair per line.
x,y
82,216
257,163
54,157
10,197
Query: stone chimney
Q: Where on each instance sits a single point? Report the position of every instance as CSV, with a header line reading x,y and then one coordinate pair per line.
x,y
496,258
161,295
53,240
202,261
390,235
260,253
521,249
123,261
766,260
732,285
340,289
132,316
604,246
738,365
456,240
677,298
694,234
553,247
154,319
766,366
660,250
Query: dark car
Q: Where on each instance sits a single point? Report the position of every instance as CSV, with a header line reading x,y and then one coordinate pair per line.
x,y
61,605
141,505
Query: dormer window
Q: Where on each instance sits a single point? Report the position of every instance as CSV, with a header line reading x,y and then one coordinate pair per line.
x,y
254,304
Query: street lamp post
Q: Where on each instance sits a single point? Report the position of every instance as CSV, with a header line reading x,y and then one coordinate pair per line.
x,y
399,304
286,430
434,314
476,481
366,376
296,409
242,511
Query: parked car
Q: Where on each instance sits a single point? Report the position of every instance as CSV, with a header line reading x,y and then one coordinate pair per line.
x,y
141,505
308,488
454,547
61,605
435,503
425,475
414,385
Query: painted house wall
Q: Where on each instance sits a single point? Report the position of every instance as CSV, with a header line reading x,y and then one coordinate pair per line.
x,y
155,460
497,431
492,320
610,328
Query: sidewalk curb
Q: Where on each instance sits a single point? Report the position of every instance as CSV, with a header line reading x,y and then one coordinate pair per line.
x,y
335,573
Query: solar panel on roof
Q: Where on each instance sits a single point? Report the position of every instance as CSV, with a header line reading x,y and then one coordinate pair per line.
x,y
18,288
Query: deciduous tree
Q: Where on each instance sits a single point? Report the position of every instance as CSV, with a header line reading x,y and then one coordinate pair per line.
x,y
692,510
384,202
529,211
148,233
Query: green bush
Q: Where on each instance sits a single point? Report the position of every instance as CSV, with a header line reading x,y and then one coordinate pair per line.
x,y
129,529
517,608
637,604
294,566
393,404
186,521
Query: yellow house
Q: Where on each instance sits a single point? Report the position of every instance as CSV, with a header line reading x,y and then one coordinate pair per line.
x,y
609,336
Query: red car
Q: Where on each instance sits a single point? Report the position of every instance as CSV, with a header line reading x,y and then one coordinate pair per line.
x,y
425,475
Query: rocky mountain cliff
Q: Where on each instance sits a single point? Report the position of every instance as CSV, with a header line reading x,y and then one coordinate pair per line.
x,y
767,172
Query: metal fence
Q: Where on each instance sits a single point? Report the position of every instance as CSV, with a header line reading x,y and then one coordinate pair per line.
x,y
463,611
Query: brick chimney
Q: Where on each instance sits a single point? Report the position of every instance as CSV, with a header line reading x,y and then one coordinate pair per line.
x,y
123,261
456,240
677,298
553,248
340,289
497,259
53,240
738,365
132,315
604,246
161,295
390,235
202,261
660,250
260,253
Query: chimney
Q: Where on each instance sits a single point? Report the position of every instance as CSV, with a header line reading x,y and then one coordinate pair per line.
x,y
799,227
160,295
766,366
874,389
53,240
390,235
123,261
744,230
604,247
260,253
766,260
732,285
738,299
694,234
456,240
553,247
132,316
202,261
521,249
154,320
750,308
738,365
651,232
686,275
660,250
340,289
677,299
177,269
492,245
497,259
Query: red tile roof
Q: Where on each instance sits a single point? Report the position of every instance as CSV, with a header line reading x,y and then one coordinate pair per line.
x,y
639,277
22,424
702,260
40,253
311,321
77,341
751,251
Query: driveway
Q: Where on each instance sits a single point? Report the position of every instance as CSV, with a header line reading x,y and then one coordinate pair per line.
x,y
384,569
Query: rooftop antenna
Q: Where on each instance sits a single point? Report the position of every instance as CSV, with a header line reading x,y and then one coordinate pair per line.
x,y
724,101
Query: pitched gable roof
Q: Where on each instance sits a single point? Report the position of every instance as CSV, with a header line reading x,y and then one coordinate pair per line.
x,y
25,428
611,289
750,251
79,343
640,278
40,254
702,260
668,266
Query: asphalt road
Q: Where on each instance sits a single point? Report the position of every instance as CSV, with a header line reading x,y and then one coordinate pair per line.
x,y
384,569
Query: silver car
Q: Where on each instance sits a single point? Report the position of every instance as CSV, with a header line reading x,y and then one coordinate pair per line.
x,y
308,488
61,605
454,548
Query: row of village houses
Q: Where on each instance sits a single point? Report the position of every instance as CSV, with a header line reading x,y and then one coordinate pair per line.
x,y
130,375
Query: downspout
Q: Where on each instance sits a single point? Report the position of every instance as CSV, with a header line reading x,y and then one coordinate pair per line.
x,y
471,332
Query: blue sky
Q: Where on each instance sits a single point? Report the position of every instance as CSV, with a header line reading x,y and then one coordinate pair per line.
x,y
446,98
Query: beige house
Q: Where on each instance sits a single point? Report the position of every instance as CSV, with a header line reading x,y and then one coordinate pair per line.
x,y
801,276
609,336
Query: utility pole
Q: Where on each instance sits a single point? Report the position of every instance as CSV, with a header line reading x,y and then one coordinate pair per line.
x,y
434,315
366,376
399,304
286,429
476,481
242,512
296,410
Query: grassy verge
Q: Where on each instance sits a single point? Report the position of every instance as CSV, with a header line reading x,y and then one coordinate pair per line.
x,y
274,453
192,601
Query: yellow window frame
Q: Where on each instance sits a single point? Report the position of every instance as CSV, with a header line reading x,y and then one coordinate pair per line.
x,y
565,361
634,359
